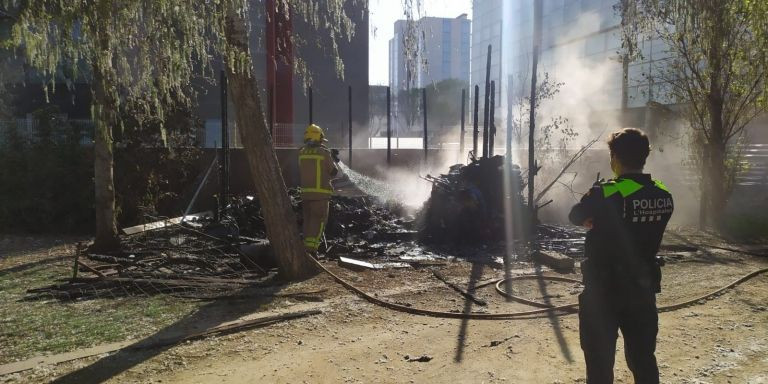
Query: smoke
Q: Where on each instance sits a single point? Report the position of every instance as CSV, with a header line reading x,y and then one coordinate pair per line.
x,y
399,187
589,68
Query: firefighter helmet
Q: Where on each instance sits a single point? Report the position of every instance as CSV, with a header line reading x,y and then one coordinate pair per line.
x,y
314,133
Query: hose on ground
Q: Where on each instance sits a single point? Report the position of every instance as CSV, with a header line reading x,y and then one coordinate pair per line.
x,y
544,308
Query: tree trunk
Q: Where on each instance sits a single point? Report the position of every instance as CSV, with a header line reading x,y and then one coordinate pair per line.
x,y
280,220
103,161
718,196
704,188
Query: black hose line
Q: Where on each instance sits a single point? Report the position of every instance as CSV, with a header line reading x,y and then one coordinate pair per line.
x,y
543,308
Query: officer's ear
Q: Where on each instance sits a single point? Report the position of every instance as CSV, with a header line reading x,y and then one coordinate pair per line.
x,y
615,164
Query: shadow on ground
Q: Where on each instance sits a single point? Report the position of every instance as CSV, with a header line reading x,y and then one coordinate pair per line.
x,y
208,316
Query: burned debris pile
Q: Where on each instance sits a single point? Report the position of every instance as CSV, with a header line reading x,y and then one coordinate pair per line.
x,y
467,205
179,259
205,257
350,219
208,258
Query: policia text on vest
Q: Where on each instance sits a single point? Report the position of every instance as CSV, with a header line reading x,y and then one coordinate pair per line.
x,y
621,274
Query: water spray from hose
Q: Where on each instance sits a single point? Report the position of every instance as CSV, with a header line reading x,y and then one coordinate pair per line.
x,y
406,188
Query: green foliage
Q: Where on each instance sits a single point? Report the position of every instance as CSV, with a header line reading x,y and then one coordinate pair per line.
x,y
716,71
409,106
443,101
45,181
747,227
553,133
152,180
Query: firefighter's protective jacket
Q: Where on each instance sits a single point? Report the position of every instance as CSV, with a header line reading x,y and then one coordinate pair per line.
x,y
316,167
630,214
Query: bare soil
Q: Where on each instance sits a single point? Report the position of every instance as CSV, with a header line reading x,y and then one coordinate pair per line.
x,y
721,340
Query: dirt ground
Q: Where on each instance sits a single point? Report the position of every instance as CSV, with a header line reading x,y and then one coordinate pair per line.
x,y
721,340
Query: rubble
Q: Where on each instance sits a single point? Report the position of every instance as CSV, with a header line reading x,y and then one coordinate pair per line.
x,y
203,258
467,204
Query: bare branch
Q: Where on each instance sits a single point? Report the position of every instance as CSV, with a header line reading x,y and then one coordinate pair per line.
x,y
576,156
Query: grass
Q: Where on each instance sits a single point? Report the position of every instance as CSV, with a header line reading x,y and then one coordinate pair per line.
x,y
30,328
747,227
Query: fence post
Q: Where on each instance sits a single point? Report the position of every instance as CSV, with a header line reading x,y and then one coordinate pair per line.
x,y
224,163
476,129
463,111
389,127
424,105
349,99
485,103
492,118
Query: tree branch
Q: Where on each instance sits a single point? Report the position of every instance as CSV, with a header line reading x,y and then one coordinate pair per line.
x,y
567,165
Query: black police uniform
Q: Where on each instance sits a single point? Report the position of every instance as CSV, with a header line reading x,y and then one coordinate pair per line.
x,y
622,274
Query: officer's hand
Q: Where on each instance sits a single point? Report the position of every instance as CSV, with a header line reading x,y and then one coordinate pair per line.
x,y
588,223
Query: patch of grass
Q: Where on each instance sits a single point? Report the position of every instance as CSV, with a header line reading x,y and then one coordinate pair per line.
x,y
30,328
747,227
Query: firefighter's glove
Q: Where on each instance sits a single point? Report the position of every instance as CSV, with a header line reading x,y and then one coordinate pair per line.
x,y
335,155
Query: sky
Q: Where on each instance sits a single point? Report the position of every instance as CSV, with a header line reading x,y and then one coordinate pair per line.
x,y
382,17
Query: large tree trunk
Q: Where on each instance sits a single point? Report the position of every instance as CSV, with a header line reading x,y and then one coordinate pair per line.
x,y
718,196
704,188
103,161
280,220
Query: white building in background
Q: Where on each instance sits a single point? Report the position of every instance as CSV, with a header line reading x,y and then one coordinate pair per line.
x,y
443,53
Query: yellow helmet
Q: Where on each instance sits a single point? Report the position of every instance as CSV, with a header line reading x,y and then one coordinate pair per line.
x,y
314,133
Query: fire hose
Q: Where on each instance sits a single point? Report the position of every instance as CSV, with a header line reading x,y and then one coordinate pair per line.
x,y
558,310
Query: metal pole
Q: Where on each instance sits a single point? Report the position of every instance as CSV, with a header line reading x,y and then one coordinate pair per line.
x,y
389,127
349,99
309,95
492,119
532,116
463,111
509,119
424,105
475,130
197,191
271,102
485,103
224,163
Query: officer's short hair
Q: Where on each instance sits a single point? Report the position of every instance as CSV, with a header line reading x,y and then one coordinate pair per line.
x,y
630,146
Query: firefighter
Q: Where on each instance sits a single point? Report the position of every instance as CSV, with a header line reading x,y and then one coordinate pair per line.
x,y
316,167
626,218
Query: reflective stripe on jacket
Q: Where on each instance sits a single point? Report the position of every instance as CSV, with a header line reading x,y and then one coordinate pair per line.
x,y
316,167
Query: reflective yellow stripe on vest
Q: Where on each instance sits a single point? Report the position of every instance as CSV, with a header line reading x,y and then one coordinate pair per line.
x,y
625,187
318,176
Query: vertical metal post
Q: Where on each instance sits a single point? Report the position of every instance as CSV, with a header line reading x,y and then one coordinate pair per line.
x,y
389,127
492,116
485,103
271,112
463,112
224,163
509,119
532,116
309,95
349,100
424,105
475,130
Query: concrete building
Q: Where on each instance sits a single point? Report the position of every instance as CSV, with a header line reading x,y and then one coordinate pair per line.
x,y
443,52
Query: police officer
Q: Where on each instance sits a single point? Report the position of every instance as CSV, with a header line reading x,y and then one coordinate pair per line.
x,y
316,168
626,218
